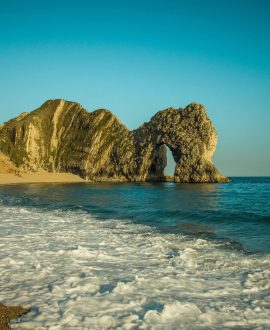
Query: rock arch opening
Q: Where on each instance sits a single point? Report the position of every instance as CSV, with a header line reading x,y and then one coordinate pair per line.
x,y
170,167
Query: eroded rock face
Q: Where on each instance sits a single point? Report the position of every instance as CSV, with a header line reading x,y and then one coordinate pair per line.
x,y
61,136
6,165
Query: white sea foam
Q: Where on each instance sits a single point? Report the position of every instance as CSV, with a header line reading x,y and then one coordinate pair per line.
x,y
77,272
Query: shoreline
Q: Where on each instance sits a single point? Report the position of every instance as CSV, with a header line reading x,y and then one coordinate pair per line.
x,y
46,177
8,178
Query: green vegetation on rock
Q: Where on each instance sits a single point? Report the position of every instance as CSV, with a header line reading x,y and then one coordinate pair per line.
x,y
61,136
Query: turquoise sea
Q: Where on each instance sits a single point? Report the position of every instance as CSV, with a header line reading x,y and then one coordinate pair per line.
x,y
137,255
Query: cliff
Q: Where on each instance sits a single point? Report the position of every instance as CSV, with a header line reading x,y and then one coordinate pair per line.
x,y
6,166
61,136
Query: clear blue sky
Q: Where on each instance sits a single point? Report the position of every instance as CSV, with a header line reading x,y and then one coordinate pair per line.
x,y
138,57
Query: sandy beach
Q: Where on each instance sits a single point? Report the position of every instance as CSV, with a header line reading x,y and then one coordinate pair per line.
x,y
10,178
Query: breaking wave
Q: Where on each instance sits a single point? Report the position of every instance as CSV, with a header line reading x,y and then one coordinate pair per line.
x,y
80,272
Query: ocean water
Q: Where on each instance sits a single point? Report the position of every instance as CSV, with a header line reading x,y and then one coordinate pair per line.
x,y
137,256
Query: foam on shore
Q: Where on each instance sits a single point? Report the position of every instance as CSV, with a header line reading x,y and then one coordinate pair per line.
x,y
78,272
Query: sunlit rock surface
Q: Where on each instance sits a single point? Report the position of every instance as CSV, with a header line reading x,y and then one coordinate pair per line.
x,y
61,136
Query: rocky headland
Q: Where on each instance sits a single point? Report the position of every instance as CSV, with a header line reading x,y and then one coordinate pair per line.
x,y
61,136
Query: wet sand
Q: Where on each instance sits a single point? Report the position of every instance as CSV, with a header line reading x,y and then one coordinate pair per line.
x,y
11,178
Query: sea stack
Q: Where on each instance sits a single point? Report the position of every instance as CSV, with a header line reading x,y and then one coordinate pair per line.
x,y
61,136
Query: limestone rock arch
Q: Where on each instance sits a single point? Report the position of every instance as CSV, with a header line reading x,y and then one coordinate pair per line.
x,y
61,136
192,139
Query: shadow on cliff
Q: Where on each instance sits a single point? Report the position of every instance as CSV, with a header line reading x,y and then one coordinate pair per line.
x,y
61,136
